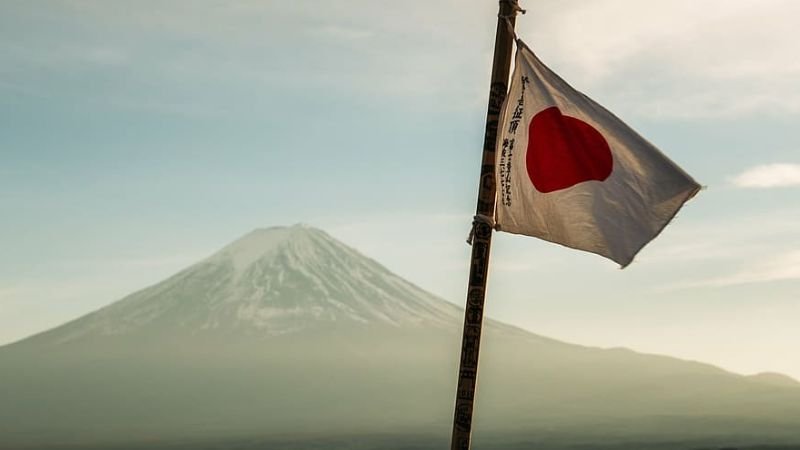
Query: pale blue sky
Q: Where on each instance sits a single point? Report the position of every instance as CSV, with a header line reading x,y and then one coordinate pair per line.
x,y
138,137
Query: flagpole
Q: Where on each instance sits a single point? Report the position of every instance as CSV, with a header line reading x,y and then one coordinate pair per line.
x,y
482,232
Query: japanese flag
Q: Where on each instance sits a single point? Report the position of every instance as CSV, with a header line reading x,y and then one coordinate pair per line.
x,y
570,172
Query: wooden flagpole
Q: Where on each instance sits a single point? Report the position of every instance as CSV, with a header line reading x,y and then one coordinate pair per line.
x,y
482,232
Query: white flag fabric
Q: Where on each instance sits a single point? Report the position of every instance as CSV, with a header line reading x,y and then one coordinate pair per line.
x,y
570,172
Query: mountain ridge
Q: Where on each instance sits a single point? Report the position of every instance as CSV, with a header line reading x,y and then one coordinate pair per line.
x,y
302,242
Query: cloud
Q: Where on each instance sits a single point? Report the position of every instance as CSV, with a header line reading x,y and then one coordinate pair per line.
x,y
28,291
730,251
725,238
94,276
780,267
652,59
665,60
769,176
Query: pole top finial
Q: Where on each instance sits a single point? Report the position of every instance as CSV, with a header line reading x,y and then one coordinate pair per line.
x,y
515,8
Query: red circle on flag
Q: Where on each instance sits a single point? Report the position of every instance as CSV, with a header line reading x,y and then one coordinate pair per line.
x,y
564,151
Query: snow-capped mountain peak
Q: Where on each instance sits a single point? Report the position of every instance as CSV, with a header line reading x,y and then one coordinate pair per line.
x,y
270,281
264,242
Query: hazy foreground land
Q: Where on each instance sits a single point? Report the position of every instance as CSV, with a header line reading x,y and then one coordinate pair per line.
x,y
413,443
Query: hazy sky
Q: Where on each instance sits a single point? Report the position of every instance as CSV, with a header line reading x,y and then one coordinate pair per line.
x,y
138,137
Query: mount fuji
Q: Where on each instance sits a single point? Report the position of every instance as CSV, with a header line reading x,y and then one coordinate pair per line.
x,y
287,338
270,282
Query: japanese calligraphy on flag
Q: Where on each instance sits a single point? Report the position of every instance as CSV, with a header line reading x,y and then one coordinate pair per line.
x,y
570,172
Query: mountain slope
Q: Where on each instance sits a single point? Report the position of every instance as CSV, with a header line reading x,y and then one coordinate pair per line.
x,y
287,333
269,282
